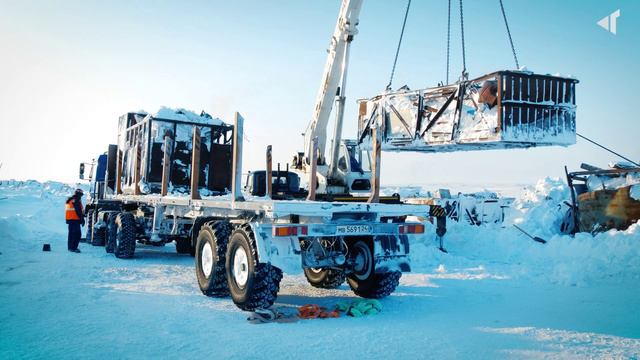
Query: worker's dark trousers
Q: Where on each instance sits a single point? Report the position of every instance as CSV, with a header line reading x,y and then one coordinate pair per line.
x,y
74,234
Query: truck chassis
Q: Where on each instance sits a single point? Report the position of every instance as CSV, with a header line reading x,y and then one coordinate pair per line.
x,y
242,247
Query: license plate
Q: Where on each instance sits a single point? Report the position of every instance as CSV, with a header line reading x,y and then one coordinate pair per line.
x,y
353,229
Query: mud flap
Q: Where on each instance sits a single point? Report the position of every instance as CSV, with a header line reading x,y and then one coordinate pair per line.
x,y
391,253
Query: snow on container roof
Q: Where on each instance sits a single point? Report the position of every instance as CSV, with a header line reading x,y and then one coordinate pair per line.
x,y
181,114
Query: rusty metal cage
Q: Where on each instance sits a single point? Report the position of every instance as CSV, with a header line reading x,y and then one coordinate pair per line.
x,y
141,145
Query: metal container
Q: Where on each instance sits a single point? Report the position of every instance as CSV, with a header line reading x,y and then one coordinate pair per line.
x,y
141,148
504,109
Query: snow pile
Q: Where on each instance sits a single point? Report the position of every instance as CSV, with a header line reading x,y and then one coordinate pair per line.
x,y
12,188
186,115
615,181
505,251
32,213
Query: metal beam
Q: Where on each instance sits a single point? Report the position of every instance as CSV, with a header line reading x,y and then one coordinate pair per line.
x,y
313,176
136,169
269,173
195,165
166,161
236,180
375,167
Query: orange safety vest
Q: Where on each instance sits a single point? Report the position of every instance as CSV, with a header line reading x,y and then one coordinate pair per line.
x,y
70,211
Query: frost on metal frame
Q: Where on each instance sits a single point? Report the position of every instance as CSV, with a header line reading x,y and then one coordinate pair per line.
x,y
145,133
504,109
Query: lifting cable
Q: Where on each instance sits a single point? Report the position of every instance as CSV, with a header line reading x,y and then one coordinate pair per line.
x,y
395,60
513,48
448,39
609,150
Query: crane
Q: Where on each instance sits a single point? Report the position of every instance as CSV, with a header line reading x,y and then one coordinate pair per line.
x,y
342,172
502,110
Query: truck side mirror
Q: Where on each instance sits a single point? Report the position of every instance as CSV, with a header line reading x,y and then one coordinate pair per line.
x,y
81,171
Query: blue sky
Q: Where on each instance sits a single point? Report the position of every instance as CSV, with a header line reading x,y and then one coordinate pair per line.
x,y
68,69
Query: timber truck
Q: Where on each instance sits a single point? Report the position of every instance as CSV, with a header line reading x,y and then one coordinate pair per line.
x,y
176,176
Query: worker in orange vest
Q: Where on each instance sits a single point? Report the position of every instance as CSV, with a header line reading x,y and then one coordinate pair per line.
x,y
75,218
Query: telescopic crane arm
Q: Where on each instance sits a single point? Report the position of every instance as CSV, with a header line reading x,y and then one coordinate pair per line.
x,y
333,85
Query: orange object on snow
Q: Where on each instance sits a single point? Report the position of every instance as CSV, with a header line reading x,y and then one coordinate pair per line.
x,y
313,311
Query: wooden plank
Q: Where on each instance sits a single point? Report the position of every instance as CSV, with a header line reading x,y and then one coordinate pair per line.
x,y
195,165
508,91
517,88
524,90
166,161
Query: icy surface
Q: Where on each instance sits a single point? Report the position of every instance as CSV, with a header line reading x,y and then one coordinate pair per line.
x,y
497,294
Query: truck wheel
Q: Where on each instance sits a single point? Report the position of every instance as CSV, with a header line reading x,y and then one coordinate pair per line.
x,y
89,222
364,281
195,229
211,249
99,236
325,278
252,285
112,228
183,245
125,244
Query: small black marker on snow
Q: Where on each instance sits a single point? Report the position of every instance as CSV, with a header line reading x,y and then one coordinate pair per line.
x,y
534,238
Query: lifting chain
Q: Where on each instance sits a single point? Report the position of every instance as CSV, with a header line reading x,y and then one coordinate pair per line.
x,y
464,58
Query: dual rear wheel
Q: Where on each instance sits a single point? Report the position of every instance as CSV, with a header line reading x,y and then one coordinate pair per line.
x,y
227,264
362,279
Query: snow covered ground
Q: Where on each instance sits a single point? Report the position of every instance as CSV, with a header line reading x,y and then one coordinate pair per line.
x,y
497,294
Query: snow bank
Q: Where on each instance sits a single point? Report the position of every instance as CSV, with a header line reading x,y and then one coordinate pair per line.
x,y
504,251
32,213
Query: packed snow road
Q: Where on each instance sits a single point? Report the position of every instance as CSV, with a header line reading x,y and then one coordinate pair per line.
x,y
61,305
496,295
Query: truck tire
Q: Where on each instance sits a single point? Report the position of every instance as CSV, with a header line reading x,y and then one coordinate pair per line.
x,y
99,236
125,244
252,285
195,229
211,250
112,228
183,245
364,281
89,222
325,278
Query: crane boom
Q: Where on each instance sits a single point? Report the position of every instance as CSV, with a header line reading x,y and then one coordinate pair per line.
x,y
333,79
